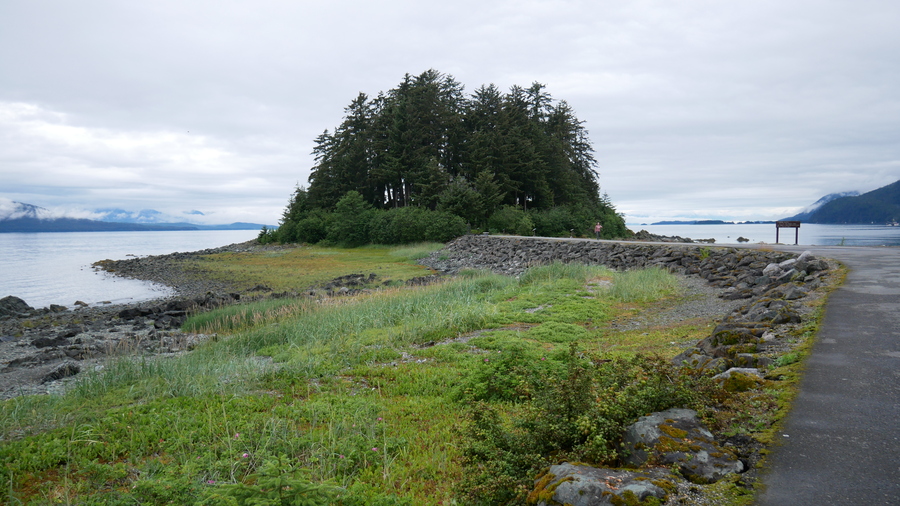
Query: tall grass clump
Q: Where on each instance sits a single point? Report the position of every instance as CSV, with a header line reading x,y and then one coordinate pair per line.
x,y
237,318
30,413
209,370
559,270
643,285
339,335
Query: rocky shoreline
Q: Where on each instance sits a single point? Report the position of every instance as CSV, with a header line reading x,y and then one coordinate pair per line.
x,y
41,350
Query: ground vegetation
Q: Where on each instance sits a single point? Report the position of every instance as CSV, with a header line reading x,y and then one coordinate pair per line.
x,y
455,392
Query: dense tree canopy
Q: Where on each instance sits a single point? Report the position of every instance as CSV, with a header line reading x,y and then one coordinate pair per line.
x,y
425,144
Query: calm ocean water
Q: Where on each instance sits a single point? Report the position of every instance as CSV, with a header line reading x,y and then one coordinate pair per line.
x,y
55,268
809,234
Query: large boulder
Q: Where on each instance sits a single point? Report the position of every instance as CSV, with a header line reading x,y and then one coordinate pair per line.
x,y
739,379
12,306
582,485
676,436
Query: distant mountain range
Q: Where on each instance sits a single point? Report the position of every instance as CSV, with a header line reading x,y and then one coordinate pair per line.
x,y
877,206
21,217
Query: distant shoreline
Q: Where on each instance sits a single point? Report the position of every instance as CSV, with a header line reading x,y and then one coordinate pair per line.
x,y
34,225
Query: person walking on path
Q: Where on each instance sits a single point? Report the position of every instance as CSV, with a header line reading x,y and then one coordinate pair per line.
x,y
597,229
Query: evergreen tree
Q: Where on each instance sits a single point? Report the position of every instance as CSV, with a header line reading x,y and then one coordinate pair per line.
x,y
424,144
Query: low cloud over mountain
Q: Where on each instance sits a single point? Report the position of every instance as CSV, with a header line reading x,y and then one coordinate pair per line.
x,y
23,217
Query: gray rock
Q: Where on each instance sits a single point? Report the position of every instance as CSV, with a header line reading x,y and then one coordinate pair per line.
x,y
676,436
788,275
582,485
11,306
48,342
772,270
794,292
787,264
721,377
63,370
816,265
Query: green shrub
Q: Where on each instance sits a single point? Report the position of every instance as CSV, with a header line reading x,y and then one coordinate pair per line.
x,y
511,220
579,414
442,227
399,226
579,220
510,373
462,199
555,222
310,230
278,483
412,224
349,223
266,235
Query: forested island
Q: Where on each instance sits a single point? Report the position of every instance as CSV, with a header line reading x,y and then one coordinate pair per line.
x,y
424,161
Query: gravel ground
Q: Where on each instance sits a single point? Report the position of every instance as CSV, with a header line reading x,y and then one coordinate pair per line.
x,y
698,300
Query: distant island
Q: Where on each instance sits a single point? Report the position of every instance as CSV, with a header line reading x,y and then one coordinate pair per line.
x,y
27,218
710,222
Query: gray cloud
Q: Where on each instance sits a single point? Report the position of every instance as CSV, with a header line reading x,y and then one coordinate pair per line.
x,y
697,109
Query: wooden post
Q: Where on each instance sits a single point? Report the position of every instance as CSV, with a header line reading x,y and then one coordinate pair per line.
x,y
788,224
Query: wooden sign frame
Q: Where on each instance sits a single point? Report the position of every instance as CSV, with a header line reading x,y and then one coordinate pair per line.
x,y
788,224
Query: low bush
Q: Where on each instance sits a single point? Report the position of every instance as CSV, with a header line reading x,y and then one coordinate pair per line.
x,y
511,220
406,225
578,415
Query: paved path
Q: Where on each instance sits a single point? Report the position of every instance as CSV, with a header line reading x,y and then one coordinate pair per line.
x,y
841,441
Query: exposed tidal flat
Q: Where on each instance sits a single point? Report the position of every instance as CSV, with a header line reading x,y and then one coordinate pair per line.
x,y
459,390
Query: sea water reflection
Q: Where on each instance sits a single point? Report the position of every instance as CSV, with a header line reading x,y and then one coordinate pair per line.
x,y
808,234
55,268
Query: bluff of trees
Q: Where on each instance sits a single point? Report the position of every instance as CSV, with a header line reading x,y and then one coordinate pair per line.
x,y
424,161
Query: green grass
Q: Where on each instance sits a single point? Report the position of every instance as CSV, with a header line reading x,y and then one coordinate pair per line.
x,y
368,394
643,285
231,319
413,252
296,268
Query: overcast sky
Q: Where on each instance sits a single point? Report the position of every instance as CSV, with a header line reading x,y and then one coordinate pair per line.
x,y
696,109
